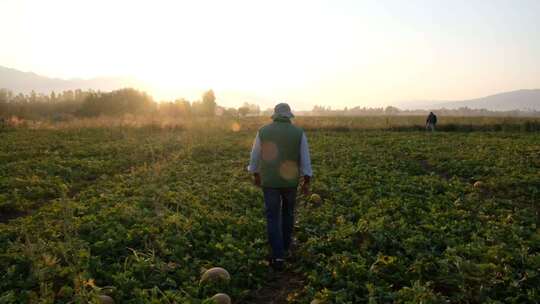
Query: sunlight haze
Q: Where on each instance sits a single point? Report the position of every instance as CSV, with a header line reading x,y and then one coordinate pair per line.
x,y
336,53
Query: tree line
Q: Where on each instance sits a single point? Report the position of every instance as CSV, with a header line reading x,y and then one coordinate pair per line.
x,y
79,103
394,111
71,104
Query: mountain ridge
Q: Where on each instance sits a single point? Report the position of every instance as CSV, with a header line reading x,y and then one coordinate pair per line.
x,y
25,82
522,99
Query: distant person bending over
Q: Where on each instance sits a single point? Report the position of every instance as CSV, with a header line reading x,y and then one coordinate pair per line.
x,y
431,121
280,154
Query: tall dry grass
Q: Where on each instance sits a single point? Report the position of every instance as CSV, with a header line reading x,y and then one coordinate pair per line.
x,y
310,123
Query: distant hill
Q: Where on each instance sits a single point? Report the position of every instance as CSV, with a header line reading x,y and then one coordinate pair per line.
x,y
524,100
25,82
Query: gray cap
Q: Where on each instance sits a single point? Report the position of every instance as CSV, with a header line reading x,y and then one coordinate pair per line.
x,y
282,110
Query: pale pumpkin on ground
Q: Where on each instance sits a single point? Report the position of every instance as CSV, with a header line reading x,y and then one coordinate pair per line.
x,y
215,274
221,298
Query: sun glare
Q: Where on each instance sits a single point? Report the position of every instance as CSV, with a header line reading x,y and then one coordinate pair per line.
x,y
342,53
235,127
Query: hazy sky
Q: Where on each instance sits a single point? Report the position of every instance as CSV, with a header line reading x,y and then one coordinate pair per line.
x,y
338,53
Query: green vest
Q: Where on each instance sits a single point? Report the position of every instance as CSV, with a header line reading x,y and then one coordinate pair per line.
x,y
280,154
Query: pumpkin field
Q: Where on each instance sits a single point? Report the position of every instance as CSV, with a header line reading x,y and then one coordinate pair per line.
x,y
139,214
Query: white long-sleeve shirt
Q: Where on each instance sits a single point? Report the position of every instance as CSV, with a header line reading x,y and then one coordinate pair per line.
x,y
305,160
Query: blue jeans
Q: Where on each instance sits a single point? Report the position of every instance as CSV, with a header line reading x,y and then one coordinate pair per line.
x,y
279,209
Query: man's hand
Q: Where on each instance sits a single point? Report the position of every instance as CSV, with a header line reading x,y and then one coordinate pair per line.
x,y
305,185
257,179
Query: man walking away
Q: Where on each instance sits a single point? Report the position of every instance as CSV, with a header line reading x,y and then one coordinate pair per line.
x,y
431,121
280,155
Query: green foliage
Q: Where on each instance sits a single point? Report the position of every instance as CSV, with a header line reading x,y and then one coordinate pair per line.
x,y
402,222
40,106
207,106
140,213
116,103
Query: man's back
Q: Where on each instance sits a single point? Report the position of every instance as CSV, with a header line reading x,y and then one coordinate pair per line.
x,y
280,153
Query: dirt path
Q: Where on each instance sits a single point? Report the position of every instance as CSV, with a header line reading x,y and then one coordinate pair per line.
x,y
429,168
6,216
285,285
279,288
10,215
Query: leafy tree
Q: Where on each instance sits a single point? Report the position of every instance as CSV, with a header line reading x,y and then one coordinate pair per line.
x,y
115,103
243,111
178,108
391,110
248,108
208,105
230,112
5,97
183,107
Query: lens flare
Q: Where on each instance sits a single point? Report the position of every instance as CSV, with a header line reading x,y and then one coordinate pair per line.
x,y
269,151
289,170
235,127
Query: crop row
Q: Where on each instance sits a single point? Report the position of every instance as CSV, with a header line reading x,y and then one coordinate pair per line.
x,y
406,217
